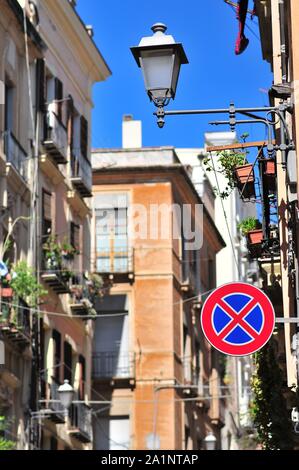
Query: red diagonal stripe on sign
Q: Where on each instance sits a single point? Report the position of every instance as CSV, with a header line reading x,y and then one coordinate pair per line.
x,y
237,319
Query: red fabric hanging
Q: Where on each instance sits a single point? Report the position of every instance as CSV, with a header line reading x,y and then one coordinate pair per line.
x,y
242,41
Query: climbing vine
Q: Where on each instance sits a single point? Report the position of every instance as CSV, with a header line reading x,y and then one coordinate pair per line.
x,y
269,410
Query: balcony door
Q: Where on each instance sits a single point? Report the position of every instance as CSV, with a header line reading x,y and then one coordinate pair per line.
x,y
112,234
111,343
112,433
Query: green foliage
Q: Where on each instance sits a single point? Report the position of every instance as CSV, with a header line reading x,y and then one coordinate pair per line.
x,y
25,285
247,225
55,251
227,161
5,444
269,410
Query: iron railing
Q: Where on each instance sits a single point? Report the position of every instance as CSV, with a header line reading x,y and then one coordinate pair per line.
x,y
81,168
17,314
54,401
81,420
191,372
112,364
56,133
115,261
15,154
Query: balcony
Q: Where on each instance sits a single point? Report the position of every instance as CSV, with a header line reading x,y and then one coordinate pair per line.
x,y
15,321
81,174
81,422
191,377
55,273
16,157
53,408
56,143
114,367
116,264
57,280
81,297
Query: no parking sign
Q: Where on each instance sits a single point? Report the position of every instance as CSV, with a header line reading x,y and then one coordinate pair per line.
x,y
238,319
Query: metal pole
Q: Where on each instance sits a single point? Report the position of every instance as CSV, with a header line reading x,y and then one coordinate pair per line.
x,y
219,111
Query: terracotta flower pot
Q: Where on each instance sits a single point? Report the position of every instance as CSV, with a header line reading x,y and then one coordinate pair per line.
x,y
6,292
270,167
245,173
255,237
245,180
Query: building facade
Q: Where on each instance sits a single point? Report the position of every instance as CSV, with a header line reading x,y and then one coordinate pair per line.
x,y
159,379
278,21
48,69
228,213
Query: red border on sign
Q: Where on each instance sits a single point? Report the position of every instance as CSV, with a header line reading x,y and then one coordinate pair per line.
x,y
261,299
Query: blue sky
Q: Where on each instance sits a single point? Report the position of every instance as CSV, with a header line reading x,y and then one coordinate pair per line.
x,y
213,78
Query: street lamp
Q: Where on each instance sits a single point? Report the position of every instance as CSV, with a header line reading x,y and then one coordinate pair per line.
x,y
66,393
160,59
210,441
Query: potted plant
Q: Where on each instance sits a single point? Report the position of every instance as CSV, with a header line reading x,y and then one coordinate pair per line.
x,y
68,251
269,172
237,171
251,228
270,167
25,285
53,253
245,180
6,289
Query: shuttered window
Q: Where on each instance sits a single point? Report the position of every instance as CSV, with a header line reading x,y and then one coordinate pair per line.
x,y
75,236
70,121
57,354
68,362
46,213
82,376
41,85
58,97
84,136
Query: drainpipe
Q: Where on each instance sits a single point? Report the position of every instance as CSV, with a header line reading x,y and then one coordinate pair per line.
x,y
283,49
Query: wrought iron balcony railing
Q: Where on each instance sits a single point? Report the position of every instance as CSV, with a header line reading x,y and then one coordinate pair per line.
x,y
115,261
56,142
81,297
113,365
191,372
81,422
15,154
15,321
81,174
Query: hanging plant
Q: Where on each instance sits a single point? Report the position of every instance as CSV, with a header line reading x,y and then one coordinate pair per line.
x,y
251,229
269,409
227,162
52,252
68,251
25,284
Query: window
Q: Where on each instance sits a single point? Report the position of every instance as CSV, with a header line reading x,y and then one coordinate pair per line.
x,y
112,236
82,377
68,362
84,137
57,354
58,97
75,236
46,214
112,356
9,107
112,433
41,88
